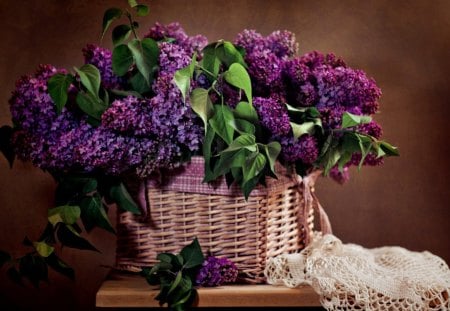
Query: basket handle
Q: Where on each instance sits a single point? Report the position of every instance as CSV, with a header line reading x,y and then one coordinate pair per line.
x,y
311,202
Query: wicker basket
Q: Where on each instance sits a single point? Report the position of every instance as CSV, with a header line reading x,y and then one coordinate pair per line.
x,y
276,219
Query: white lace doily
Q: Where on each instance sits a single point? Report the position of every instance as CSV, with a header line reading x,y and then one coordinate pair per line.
x,y
350,277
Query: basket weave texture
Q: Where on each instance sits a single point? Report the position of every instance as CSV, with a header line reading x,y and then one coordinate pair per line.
x,y
277,219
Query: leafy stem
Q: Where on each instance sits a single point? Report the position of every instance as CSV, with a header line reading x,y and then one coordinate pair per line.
x,y
132,23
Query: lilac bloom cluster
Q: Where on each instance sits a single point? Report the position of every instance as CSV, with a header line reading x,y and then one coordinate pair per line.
x,y
141,134
174,31
323,81
216,271
273,115
37,124
102,59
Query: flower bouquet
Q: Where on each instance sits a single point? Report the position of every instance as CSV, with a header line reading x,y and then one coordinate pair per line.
x,y
252,109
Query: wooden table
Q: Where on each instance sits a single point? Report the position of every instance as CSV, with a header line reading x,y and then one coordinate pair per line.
x,y
129,291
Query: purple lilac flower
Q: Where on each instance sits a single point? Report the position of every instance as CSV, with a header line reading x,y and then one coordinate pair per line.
x,y
346,87
370,160
31,106
265,69
102,59
33,113
338,176
315,59
326,82
304,149
282,43
273,115
172,57
372,128
129,115
216,271
160,32
63,150
250,40
111,152
300,83
172,125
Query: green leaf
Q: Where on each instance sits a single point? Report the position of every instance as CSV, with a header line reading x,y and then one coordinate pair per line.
x,y
165,257
244,127
120,33
145,54
94,215
90,105
4,258
90,78
109,16
331,158
228,161
202,105
351,142
248,186
34,269
344,159
48,234
90,185
326,145
272,150
141,10
132,3
43,248
139,83
246,141
228,54
183,294
302,129
182,78
66,214
255,164
247,112
192,254
210,61
122,59
221,121
68,237
365,143
6,147
238,76
58,86
123,199
350,120
311,112
60,266
176,282
179,259
389,149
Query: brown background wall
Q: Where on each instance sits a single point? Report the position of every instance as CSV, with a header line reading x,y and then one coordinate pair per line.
x,y
404,45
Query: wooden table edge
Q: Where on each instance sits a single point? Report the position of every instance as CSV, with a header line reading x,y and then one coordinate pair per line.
x,y
127,290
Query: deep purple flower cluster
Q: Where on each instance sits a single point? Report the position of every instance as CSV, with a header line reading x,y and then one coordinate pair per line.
x,y
160,129
102,59
216,271
273,115
304,149
174,31
317,80
135,133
